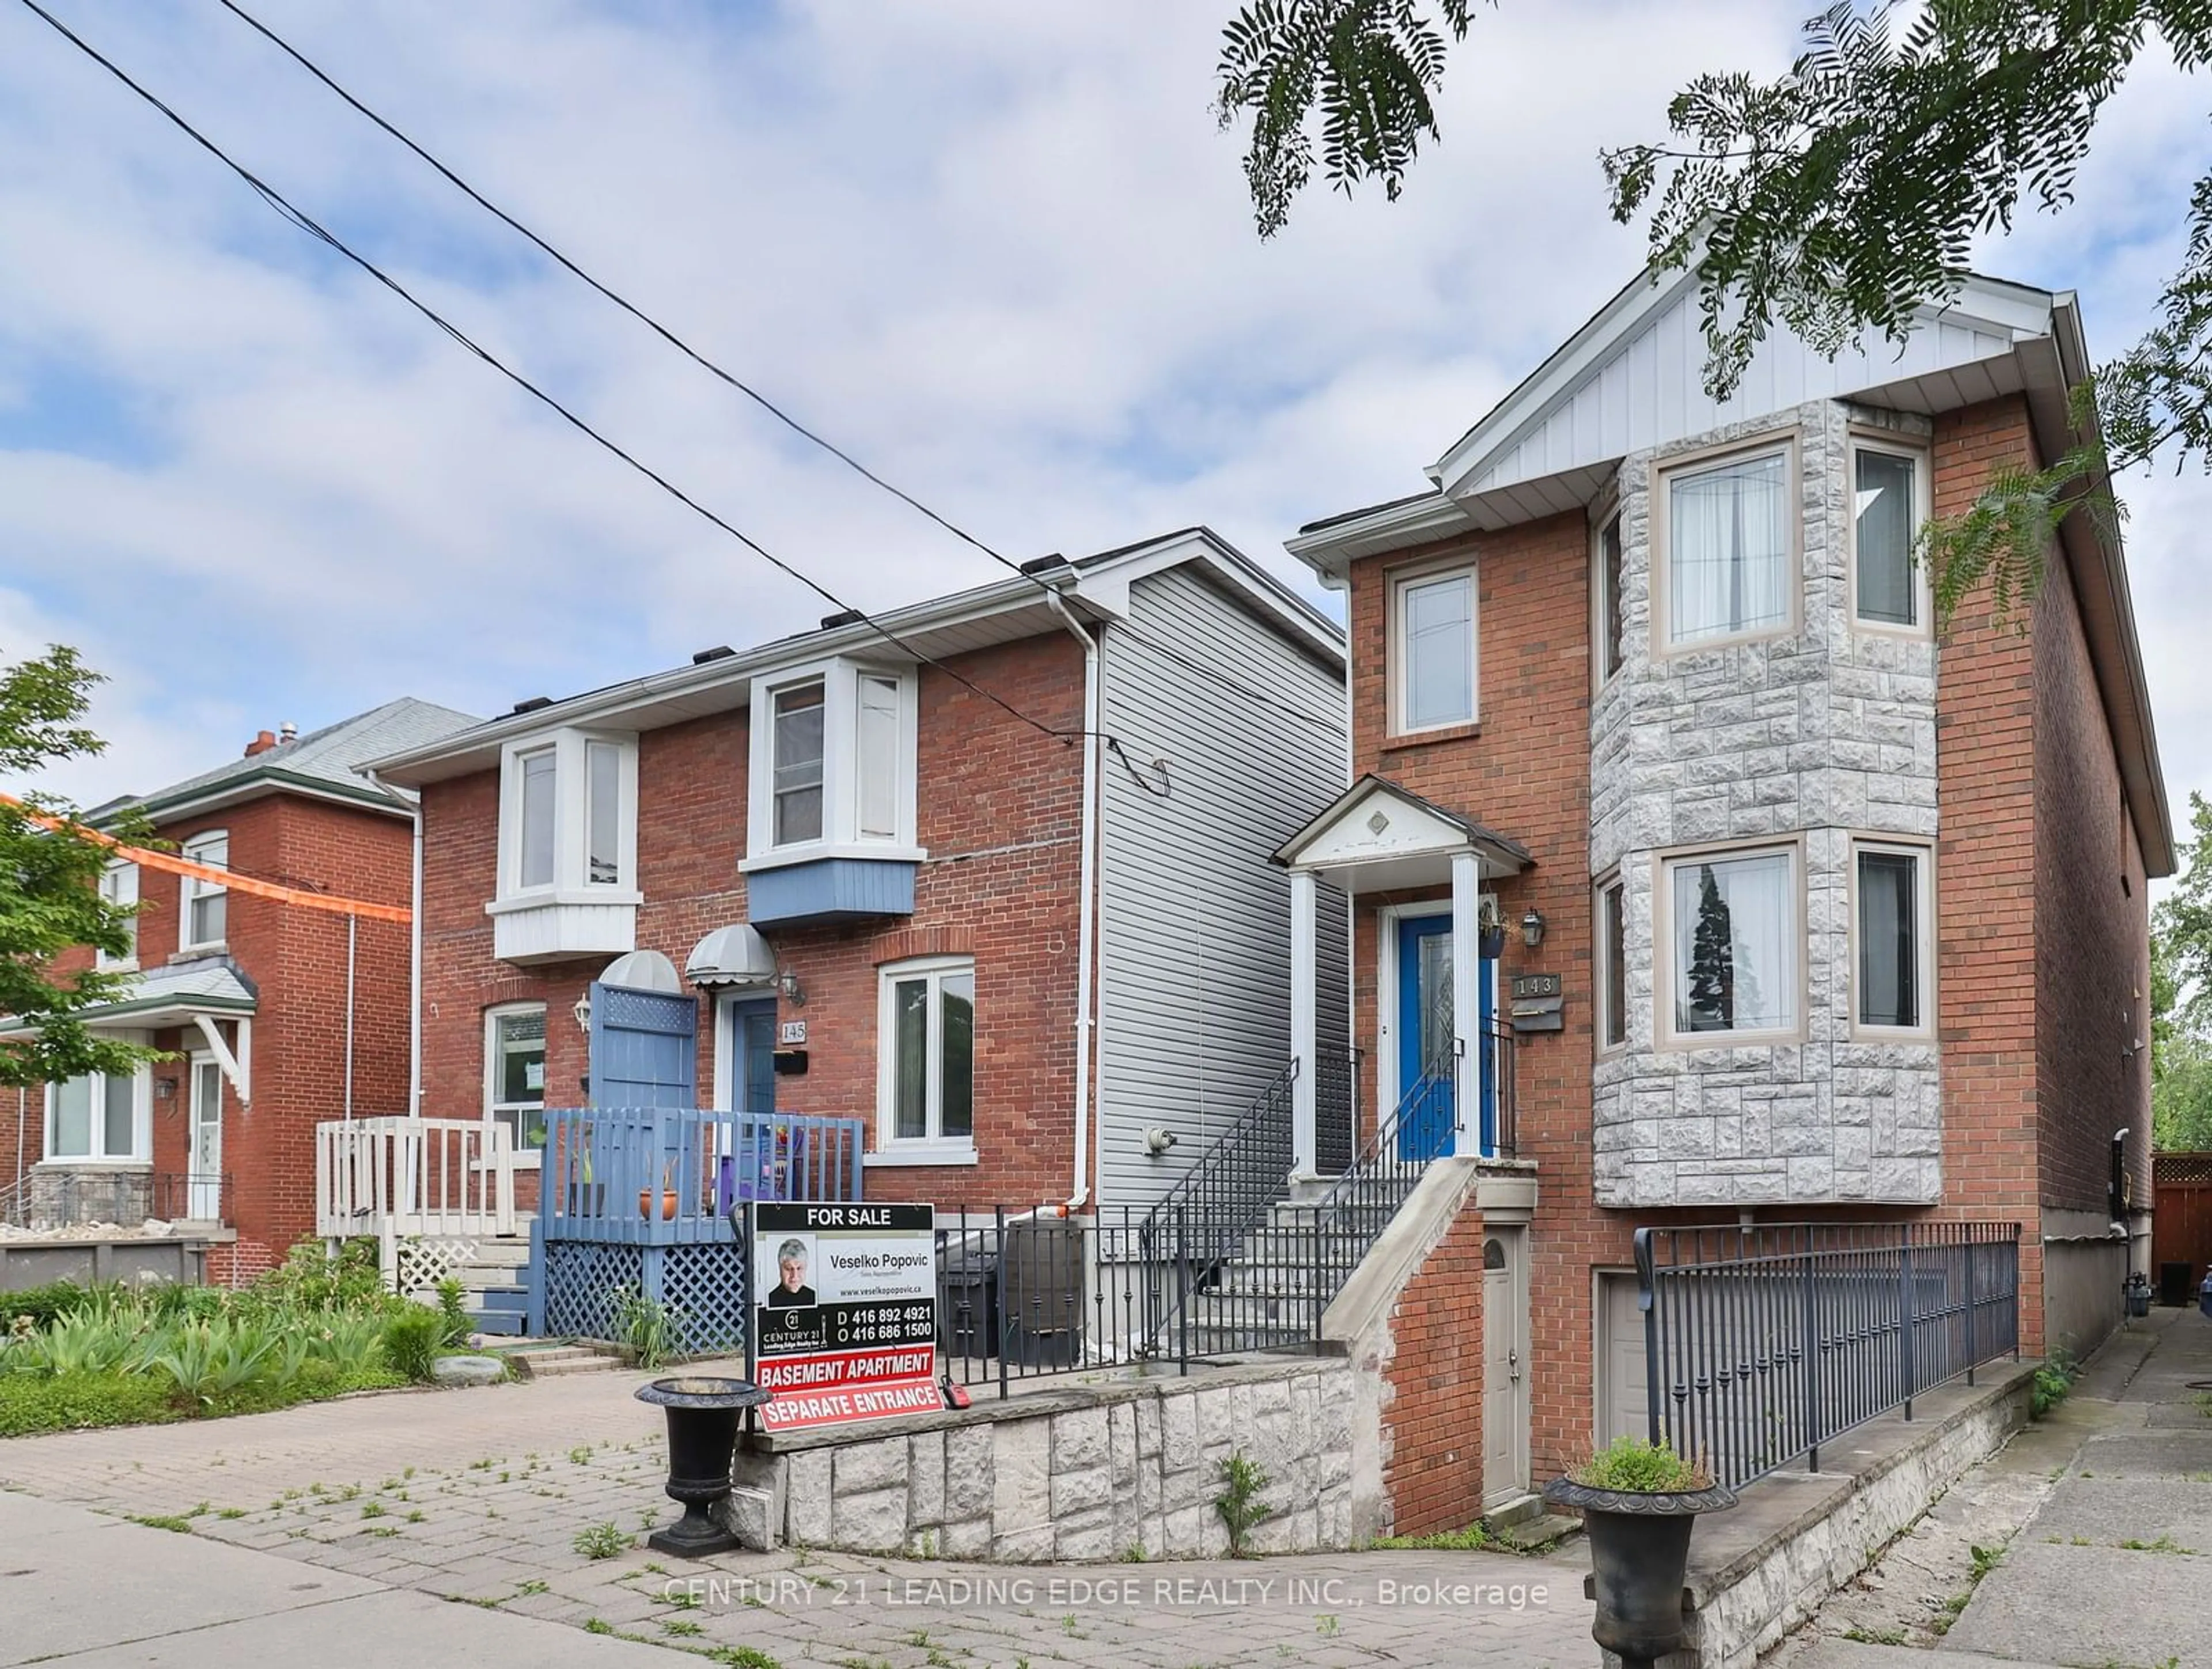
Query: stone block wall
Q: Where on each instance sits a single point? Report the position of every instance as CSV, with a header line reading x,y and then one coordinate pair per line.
x,y
1088,1473
1813,737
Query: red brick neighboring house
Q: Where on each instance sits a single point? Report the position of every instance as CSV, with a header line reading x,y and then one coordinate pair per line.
x,y
1848,919
829,833
274,1017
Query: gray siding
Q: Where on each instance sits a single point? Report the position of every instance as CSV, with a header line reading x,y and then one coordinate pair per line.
x,y
1194,950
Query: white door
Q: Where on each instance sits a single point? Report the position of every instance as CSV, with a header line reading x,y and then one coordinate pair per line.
x,y
1505,1370
203,1163
1621,1409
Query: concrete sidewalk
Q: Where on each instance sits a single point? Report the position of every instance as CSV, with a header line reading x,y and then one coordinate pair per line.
x,y
438,1527
2084,1544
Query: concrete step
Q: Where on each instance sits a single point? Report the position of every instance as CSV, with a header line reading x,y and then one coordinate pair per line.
x,y
503,1323
1528,1535
1517,1511
551,1360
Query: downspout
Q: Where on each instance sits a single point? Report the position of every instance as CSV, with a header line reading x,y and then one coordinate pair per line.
x,y
1086,908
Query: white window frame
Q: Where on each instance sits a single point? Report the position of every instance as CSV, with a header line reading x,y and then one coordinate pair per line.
x,y
1401,583
1660,523
1923,492
190,889
840,678
1923,930
572,882
142,1128
1666,1036
1602,958
935,1148
493,1107
118,884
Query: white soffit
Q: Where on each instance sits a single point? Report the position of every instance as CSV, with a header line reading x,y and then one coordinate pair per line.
x,y
1633,378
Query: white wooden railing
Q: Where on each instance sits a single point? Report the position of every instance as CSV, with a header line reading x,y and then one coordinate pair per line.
x,y
403,1179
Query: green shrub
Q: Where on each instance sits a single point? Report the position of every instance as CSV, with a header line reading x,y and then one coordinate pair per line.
x,y
347,1341
1636,1467
311,1279
42,1304
645,1326
602,1541
452,1309
413,1336
2053,1382
204,1360
1239,1504
71,1401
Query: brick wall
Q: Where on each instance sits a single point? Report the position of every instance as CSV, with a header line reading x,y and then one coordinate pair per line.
x,y
1000,810
1432,1395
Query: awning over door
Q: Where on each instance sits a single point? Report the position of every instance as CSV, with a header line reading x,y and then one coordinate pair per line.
x,y
731,956
1378,836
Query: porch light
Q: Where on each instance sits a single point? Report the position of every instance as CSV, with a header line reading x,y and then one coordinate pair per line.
x,y
1532,928
583,1014
787,983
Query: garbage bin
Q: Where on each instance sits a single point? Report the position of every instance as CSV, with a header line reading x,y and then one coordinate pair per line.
x,y
1041,1294
967,1308
2173,1285
2137,1293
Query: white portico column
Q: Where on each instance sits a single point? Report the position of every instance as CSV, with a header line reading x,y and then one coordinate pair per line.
x,y
1467,970
1304,931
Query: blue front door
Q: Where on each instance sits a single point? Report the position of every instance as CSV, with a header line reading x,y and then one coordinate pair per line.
x,y
1427,1054
752,1055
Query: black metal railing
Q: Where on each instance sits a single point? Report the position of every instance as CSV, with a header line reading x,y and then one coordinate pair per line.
x,y
1226,1194
1359,1204
1024,1294
1336,1109
1763,1344
83,1199
1501,1109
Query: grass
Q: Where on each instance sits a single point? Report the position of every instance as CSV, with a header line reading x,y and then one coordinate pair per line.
x,y
602,1541
182,1527
743,1657
1877,1637
1986,1559
1473,1539
2163,1545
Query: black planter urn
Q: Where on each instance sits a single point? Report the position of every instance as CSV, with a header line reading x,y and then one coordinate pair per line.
x,y
702,1444
1639,1556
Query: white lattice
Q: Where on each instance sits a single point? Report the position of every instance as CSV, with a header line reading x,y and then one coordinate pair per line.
x,y
422,1263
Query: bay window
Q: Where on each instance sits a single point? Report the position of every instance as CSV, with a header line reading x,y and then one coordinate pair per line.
x,y
1610,578
926,1094
1613,964
568,817
1728,548
832,764
1887,510
1730,938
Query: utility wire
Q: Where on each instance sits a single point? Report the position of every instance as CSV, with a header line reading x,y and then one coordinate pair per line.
x,y
1332,726
307,223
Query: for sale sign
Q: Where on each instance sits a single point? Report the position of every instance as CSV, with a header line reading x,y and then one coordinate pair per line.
x,y
844,1312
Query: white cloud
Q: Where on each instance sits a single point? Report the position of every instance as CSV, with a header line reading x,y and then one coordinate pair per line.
x,y
996,248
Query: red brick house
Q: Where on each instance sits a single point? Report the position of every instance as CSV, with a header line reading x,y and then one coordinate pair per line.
x,y
1782,905
1000,888
272,1017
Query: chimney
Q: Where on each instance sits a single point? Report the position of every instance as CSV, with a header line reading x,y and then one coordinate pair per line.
x,y
262,742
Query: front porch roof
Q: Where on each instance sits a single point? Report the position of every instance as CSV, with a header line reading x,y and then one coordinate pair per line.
x,y
1379,836
175,994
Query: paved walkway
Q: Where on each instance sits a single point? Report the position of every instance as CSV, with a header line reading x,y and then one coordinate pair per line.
x,y
342,1530
2086,1543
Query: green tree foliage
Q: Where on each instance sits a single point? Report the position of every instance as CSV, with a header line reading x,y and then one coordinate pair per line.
x,y
50,899
1831,201
2181,998
1711,995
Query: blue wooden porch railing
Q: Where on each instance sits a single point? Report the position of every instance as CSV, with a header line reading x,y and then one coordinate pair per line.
x,y
668,1176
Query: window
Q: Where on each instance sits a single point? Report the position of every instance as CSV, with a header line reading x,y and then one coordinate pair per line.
x,y
1891,927
1728,552
205,902
514,1071
540,817
1609,579
799,739
1434,625
832,764
926,1099
1886,517
1612,971
1733,935
119,887
569,817
96,1117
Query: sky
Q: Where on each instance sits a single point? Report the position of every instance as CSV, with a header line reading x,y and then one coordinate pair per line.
x,y
1000,251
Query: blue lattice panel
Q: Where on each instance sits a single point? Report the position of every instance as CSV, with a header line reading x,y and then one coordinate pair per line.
x,y
584,1281
704,1288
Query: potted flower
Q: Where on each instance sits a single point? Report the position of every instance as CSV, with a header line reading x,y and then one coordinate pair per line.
x,y
667,1195
1639,1501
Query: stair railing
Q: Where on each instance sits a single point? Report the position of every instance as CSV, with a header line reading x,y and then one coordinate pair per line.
x,y
1359,1204
1200,1222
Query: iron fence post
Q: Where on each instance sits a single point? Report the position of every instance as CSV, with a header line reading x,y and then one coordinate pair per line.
x,y
1645,1272
1811,1359
999,1281
1905,1318
1972,1359
1183,1287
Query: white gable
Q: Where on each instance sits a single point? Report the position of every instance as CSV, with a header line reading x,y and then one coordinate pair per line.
x,y
1375,825
1634,378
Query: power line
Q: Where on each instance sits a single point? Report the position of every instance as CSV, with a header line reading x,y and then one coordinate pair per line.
x,y
783,417
307,223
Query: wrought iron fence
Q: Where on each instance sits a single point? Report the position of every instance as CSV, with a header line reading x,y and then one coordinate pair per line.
x,y
80,1199
1336,1108
1763,1344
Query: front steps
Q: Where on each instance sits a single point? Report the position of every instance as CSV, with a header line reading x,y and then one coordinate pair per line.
x,y
1526,1527
495,1285
552,1359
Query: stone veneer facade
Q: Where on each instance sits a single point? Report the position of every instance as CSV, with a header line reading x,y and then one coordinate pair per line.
x,y
1817,736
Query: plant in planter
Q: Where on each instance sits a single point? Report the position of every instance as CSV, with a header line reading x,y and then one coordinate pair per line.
x,y
1639,1501
667,1195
